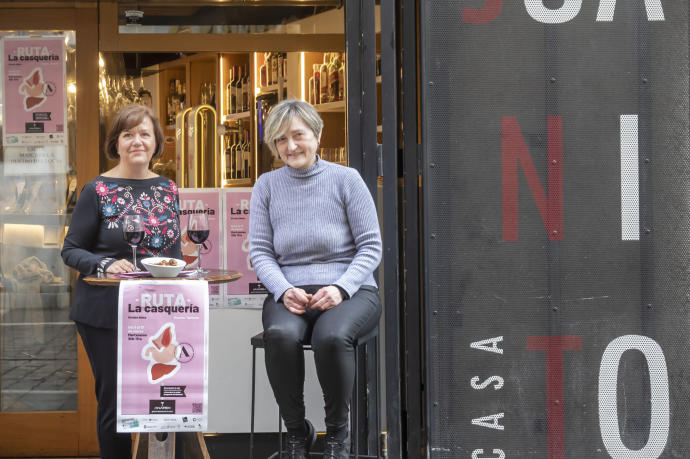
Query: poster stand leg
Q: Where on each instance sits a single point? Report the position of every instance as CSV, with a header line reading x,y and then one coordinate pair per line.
x,y
162,445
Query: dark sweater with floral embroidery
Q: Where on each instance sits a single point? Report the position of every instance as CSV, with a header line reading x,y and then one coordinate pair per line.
x,y
94,239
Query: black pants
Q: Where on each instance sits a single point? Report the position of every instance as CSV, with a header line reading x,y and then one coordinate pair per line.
x,y
332,334
101,347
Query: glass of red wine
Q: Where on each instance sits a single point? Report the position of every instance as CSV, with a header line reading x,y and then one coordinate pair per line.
x,y
133,232
197,232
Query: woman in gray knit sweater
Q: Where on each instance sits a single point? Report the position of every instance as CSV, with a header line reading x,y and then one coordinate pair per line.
x,y
314,242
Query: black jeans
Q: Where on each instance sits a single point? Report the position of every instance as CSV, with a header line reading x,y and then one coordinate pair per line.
x,y
332,334
101,347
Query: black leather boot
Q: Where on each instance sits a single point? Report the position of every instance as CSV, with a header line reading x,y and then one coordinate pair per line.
x,y
298,444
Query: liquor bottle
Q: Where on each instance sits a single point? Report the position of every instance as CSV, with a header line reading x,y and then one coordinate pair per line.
x,y
285,69
274,68
317,84
233,89
263,77
244,156
248,149
228,92
267,61
323,83
181,93
245,90
171,106
239,157
233,157
228,157
333,82
238,90
311,90
281,69
341,78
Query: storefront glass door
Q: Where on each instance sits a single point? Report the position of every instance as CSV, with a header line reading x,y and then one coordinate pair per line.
x,y
38,345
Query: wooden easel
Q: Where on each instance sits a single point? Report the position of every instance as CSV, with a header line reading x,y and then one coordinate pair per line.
x,y
162,445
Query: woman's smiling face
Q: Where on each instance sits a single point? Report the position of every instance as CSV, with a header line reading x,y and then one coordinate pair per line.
x,y
136,145
298,145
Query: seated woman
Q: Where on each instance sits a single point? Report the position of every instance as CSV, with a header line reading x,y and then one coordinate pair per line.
x,y
314,243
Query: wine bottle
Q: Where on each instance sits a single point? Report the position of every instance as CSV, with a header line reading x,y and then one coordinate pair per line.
x,y
274,68
228,93
311,90
263,77
228,155
238,90
317,84
233,90
341,78
323,82
245,90
233,157
281,70
333,82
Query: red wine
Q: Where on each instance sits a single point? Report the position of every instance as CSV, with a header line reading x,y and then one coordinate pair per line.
x,y
197,236
133,237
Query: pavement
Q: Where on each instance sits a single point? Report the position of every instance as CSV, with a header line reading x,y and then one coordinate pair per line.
x,y
38,352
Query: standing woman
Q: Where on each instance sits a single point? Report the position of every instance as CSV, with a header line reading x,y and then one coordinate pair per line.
x,y
314,243
95,245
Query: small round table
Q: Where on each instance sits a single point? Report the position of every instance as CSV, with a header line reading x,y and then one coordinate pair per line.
x,y
213,276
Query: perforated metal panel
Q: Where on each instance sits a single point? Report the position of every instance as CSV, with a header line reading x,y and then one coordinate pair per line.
x,y
556,228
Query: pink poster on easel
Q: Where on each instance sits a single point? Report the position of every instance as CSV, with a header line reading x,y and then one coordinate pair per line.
x,y
248,291
207,201
162,364
34,91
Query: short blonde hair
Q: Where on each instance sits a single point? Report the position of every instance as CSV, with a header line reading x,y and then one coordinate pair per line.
x,y
281,115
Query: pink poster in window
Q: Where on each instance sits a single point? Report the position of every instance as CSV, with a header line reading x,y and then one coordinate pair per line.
x,y
248,291
195,201
34,92
162,365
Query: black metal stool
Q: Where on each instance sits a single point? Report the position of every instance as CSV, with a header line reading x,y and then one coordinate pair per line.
x,y
370,339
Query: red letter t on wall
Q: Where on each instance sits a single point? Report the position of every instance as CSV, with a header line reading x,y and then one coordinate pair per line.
x,y
554,347
514,149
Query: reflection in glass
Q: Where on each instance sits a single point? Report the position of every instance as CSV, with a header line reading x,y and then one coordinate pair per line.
x,y
38,345
233,19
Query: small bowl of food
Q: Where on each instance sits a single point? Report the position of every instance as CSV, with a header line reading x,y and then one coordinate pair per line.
x,y
163,266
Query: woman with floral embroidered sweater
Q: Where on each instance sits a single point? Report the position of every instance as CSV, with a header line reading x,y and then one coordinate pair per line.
x,y
94,245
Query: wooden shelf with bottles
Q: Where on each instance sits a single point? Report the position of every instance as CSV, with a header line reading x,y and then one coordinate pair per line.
x,y
236,99
332,111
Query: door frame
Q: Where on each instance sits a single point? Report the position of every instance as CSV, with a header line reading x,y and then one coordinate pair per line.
x,y
63,433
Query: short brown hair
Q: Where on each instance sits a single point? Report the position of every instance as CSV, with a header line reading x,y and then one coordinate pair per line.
x,y
127,118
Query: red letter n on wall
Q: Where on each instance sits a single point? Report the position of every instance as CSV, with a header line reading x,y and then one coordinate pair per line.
x,y
514,150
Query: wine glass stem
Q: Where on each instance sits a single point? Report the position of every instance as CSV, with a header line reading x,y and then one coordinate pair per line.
x,y
134,257
199,269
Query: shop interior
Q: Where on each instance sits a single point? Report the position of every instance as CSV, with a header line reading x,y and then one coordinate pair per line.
x,y
212,105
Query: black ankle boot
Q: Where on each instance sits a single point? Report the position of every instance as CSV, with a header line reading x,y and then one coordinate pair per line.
x,y
337,445
299,444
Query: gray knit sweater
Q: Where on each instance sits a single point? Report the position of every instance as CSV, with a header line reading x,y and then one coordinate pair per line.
x,y
315,226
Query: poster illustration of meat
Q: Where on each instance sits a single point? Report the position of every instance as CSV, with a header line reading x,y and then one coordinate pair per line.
x,y
162,365
247,292
35,103
204,201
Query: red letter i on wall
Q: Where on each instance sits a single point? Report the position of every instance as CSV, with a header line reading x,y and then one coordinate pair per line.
x,y
514,150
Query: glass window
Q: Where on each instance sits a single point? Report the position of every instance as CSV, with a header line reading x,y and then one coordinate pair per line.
x,y
156,18
38,347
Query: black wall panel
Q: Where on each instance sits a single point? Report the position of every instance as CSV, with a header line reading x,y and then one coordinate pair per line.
x,y
591,280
